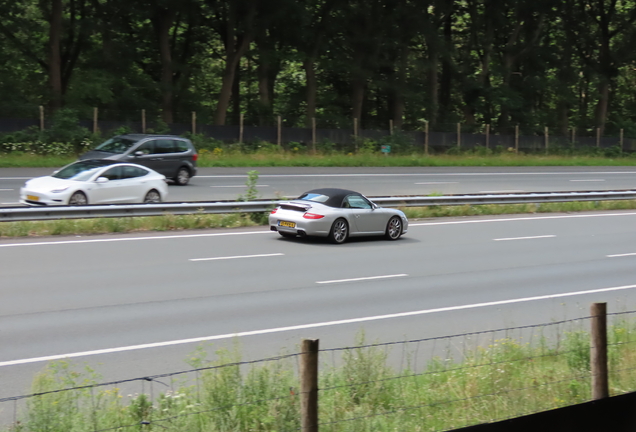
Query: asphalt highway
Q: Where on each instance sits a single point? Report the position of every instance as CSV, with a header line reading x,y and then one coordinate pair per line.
x,y
136,305
227,183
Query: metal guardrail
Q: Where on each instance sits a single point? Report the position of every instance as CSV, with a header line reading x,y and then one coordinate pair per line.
x,y
129,210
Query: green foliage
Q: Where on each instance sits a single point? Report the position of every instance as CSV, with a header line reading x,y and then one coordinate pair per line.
x,y
65,129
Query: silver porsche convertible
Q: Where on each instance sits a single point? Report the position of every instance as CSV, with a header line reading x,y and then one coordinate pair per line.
x,y
337,214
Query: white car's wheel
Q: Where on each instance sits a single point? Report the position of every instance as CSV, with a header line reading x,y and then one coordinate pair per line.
x,y
152,197
339,231
77,199
394,228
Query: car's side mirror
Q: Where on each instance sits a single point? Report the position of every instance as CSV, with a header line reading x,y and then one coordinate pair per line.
x,y
139,153
101,180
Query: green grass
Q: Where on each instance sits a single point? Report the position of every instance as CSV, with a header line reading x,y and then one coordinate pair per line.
x,y
281,159
362,392
207,221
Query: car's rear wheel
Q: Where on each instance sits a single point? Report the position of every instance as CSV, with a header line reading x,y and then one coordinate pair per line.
x,y
78,199
183,176
394,228
152,197
339,231
287,235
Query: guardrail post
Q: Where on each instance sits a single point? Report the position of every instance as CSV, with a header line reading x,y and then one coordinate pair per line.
x,y
309,385
598,351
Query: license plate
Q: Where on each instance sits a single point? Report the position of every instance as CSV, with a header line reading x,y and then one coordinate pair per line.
x,y
33,198
287,224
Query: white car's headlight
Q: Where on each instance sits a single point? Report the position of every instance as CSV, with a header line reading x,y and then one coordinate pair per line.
x,y
59,190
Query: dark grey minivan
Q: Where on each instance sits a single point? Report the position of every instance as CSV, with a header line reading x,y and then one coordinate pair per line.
x,y
173,156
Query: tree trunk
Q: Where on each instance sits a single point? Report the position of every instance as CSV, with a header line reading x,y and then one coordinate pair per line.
x,y
163,24
310,91
603,102
55,56
433,87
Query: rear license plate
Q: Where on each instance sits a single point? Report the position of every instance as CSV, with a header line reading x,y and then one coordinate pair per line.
x,y
33,198
287,224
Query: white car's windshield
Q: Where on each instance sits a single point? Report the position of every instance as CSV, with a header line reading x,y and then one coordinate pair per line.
x,y
80,171
116,145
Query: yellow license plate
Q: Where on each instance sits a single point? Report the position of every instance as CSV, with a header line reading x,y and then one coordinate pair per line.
x,y
33,198
287,224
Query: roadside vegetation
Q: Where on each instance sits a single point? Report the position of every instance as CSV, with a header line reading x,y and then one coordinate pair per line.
x,y
502,379
207,221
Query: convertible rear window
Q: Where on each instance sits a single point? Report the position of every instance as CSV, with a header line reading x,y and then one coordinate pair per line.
x,y
314,197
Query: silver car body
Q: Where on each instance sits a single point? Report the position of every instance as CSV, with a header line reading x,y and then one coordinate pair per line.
x,y
315,212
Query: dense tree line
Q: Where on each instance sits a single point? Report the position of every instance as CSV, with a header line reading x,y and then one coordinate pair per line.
x,y
534,63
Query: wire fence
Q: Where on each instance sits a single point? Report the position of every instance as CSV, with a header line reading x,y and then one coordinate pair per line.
x,y
349,138
429,384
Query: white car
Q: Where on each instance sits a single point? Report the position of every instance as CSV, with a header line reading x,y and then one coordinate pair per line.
x,y
337,214
96,181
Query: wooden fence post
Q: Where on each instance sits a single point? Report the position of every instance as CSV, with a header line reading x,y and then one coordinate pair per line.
x,y
621,140
41,118
95,127
573,135
309,386
194,122
488,135
355,133
241,129
459,135
426,137
313,134
279,138
391,127
516,139
546,140
598,137
598,351
143,121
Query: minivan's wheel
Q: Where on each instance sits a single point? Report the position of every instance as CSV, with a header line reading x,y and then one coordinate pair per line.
x,y
339,231
394,228
152,197
77,199
183,176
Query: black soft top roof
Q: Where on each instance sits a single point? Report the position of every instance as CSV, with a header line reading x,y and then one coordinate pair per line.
x,y
335,196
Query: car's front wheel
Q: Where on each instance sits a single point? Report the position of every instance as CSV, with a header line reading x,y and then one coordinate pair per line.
x,y
394,228
183,176
339,231
77,199
152,197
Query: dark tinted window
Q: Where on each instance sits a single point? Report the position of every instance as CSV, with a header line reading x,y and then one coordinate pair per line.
x,y
132,172
182,146
164,146
113,173
146,148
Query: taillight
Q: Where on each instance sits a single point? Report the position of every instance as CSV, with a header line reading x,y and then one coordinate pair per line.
x,y
195,157
273,211
313,216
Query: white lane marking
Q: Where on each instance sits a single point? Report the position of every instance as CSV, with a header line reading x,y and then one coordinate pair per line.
x,y
590,180
11,203
310,326
362,279
167,237
15,178
236,257
524,238
237,186
502,191
430,183
458,222
133,239
420,174
4,190
621,255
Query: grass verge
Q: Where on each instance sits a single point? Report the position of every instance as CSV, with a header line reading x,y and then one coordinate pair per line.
x,y
282,159
206,221
485,382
